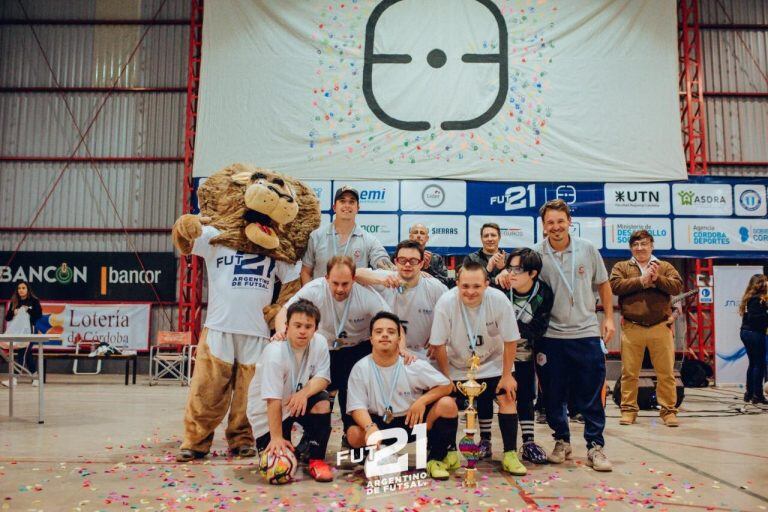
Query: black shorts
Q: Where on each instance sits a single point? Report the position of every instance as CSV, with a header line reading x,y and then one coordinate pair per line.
x,y
288,422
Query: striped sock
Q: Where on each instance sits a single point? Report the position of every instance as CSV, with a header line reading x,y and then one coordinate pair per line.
x,y
527,428
485,428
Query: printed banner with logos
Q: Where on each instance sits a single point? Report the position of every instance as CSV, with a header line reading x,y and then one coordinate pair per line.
x,y
125,326
81,276
730,283
702,218
424,89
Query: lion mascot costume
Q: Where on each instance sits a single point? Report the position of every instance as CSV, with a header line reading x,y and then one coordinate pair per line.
x,y
253,228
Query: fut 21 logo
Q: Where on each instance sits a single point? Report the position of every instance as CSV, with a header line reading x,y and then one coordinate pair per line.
x,y
398,15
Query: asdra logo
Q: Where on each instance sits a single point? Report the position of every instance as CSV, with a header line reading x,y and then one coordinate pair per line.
x,y
691,198
516,198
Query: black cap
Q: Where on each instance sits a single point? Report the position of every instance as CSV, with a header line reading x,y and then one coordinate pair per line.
x,y
346,190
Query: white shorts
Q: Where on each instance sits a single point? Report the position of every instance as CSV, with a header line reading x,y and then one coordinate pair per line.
x,y
231,347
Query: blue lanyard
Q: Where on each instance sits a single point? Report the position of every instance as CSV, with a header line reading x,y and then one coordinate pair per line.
x,y
295,385
572,285
338,324
531,295
472,334
380,381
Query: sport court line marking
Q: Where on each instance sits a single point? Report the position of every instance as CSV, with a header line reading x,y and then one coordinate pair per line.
x,y
696,470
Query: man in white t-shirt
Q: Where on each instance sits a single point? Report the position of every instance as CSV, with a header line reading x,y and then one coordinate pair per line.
x,y
386,393
239,287
293,375
410,295
346,309
475,320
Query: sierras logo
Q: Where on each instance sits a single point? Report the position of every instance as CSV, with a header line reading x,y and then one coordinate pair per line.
x,y
444,231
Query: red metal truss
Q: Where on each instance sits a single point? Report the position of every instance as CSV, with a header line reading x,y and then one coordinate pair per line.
x,y
190,267
692,92
700,335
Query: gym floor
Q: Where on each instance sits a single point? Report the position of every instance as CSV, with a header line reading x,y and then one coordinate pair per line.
x,y
106,446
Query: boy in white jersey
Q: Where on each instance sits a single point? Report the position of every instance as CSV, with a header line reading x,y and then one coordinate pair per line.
x,y
473,319
386,393
346,309
240,286
410,295
293,375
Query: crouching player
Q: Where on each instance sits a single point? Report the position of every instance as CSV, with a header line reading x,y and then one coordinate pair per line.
x,y
289,387
385,393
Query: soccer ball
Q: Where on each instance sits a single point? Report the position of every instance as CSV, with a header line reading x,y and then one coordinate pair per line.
x,y
277,469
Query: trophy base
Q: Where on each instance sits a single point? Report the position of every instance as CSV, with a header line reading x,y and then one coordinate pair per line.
x,y
469,478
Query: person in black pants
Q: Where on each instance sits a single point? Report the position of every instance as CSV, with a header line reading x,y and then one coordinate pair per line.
x,y
754,312
23,299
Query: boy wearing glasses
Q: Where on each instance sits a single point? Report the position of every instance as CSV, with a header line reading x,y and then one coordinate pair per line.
x,y
532,300
411,296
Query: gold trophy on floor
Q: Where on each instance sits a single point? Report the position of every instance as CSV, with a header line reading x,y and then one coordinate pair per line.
x,y
469,449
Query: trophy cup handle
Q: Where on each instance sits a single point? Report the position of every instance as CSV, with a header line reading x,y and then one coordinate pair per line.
x,y
482,387
460,387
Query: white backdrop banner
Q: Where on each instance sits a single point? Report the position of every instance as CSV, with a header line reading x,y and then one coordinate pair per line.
x,y
125,326
496,90
730,283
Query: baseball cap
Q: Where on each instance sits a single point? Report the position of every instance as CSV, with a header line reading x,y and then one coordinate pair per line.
x,y
346,190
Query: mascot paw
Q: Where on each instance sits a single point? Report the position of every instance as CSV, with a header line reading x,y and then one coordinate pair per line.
x,y
261,235
189,227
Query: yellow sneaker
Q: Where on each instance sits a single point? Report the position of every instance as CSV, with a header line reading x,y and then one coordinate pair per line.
x,y
437,470
511,464
452,460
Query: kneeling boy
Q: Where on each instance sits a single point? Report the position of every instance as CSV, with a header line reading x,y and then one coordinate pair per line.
x,y
385,393
289,387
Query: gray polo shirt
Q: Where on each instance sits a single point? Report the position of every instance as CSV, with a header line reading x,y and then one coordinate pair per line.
x,y
363,248
578,319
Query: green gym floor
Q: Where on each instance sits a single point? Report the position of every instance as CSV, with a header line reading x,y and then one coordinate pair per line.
x,y
106,446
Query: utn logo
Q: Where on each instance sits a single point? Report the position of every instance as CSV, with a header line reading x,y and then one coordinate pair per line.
x,y
516,198
633,196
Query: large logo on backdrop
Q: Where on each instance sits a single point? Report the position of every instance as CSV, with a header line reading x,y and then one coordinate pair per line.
x,y
436,58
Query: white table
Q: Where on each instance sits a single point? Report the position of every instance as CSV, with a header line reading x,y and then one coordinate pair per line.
x,y
23,340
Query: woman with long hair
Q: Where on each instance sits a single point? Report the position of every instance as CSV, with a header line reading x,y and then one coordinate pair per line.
x,y
23,299
754,312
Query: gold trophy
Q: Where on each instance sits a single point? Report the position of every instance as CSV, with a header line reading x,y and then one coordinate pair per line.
x,y
469,449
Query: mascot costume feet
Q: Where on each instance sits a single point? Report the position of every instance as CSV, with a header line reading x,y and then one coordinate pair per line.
x,y
252,230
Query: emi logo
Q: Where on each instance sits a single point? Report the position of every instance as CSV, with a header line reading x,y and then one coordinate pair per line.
x,y
750,200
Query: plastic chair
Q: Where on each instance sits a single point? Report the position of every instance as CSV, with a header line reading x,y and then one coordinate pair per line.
x,y
172,356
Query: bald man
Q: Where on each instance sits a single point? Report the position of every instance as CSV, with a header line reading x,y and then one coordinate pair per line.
x,y
434,264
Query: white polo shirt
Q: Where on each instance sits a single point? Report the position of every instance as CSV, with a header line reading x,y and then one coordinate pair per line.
x,y
364,249
496,327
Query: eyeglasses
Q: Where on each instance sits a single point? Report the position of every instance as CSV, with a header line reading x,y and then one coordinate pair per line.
x,y
517,270
410,261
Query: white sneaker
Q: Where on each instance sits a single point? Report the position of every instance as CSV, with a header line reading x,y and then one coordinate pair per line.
x,y
560,452
597,459
15,382
35,383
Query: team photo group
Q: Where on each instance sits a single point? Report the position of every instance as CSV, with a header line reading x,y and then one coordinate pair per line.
x,y
387,341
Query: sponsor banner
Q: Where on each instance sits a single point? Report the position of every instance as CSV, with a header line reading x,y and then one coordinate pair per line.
x,y
375,196
731,360
125,326
590,228
702,199
515,231
382,226
503,198
721,234
444,230
323,192
619,229
584,199
91,275
433,196
637,198
749,200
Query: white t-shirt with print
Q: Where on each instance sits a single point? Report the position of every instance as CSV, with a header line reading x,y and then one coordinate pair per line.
x,y
416,306
497,327
240,285
279,368
413,380
364,304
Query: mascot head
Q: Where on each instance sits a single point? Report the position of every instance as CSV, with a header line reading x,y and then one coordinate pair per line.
x,y
259,211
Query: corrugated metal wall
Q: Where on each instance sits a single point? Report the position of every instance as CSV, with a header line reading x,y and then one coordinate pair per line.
x,y
735,60
85,52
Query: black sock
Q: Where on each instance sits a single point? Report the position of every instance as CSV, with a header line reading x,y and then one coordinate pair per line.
x,y
441,438
318,430
508,427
